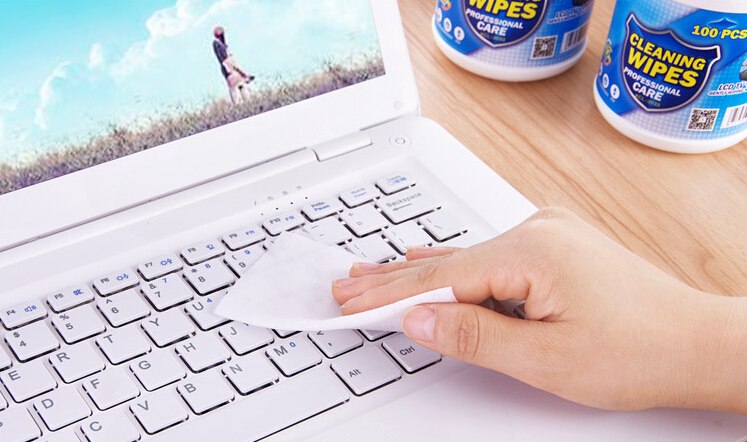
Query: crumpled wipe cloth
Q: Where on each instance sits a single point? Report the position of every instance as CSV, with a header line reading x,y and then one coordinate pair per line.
x,y
289,288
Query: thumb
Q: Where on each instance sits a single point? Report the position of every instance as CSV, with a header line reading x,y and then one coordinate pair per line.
x,y
479,336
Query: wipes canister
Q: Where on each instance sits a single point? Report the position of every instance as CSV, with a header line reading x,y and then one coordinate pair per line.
x,y
513,40
674,73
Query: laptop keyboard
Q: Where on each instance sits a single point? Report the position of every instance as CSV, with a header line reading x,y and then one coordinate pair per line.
x,y
138,351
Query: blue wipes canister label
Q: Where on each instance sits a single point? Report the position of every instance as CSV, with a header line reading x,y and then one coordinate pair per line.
x,y
515,33
675,70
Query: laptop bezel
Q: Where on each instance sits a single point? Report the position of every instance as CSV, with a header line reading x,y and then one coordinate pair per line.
x,y
89,194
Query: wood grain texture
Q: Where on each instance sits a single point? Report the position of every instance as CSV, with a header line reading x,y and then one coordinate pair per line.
x,y
686,214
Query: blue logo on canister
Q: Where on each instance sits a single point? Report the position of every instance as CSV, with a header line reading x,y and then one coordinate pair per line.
x,y
503,23
674,73
662,72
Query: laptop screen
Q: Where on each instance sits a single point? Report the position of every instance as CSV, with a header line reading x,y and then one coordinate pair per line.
x,y
88,81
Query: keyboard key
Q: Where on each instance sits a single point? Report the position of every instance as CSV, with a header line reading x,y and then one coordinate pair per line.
x,y
285,333
167,291
5,361
272,409
294,356
241,260
374,335
442,225
205,392
201,311
115,282
202,352
329,231
28,380
31,341
366,369
123,308
336,342
22,314
157,369
17,425
62,436
321,209
364,220
283,222
244,338
406,205
78,324
209,276
168,327
3,402
121,345
462,241
372,248
359,195
407,235
110,387
110,427
203,251
250,373
409,355
159,266
159,411
70,297
244,237
77,361
269,243
394,183
61,408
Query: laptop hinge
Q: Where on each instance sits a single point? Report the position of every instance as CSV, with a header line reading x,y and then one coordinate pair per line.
x,y
341,146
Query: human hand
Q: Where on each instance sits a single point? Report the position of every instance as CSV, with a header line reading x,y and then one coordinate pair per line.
x,y
604,328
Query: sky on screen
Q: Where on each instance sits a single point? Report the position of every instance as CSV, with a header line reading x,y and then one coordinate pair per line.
x,y
74,69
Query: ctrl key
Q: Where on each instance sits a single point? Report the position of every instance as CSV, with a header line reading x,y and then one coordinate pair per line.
x,y
17,425
411,356
365,370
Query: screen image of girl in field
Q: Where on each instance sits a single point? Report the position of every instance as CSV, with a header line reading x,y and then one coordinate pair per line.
x,y
94,81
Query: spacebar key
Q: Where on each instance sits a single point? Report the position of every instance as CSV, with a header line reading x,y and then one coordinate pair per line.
x,y
272,409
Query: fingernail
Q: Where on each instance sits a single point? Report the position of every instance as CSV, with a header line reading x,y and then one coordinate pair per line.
x,y
418,249
343,282
364,266
351,302
419,323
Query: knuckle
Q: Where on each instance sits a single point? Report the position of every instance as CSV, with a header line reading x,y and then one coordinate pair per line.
x,y
426,275
468,335
548,224
552,212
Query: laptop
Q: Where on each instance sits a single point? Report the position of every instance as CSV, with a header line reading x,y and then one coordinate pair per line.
x,y
149,152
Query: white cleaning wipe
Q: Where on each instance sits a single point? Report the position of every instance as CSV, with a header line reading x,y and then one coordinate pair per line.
x,y
289,288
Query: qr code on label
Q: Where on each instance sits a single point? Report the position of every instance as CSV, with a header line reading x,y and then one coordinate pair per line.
x,y
703,120
544,47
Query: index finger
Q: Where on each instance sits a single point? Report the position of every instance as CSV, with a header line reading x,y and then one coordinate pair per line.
x,y
493,268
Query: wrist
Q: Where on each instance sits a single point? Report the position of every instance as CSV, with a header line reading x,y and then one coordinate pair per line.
x,y
719,381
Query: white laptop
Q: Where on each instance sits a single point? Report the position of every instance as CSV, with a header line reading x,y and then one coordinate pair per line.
x,y
149,150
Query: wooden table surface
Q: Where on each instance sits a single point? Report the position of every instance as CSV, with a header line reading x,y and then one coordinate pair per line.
x,y
686,214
